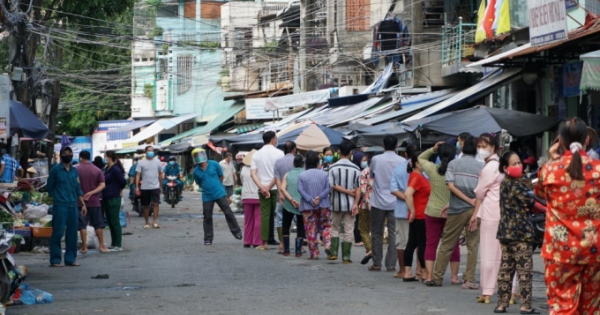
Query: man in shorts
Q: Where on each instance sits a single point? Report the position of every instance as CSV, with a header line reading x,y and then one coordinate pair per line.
x,y
91,179
150,170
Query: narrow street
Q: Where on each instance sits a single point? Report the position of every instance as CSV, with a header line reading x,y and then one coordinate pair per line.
x,y
169,271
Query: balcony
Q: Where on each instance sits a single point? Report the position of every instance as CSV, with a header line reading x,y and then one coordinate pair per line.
x,y
457,46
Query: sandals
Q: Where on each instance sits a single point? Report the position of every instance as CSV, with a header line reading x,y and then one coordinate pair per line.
x,y
73,265
146,227
56,265
468,285
431,283
413,279
399,275
374,268
207,243
365,259
499,311
155,226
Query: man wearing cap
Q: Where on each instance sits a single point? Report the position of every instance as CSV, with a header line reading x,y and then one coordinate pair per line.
x,y
8,168
64,187
208,175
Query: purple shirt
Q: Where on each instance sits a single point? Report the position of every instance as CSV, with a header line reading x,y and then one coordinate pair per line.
x,y
313,183
90,177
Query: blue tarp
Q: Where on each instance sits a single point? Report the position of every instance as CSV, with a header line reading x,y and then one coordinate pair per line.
x,y
24,120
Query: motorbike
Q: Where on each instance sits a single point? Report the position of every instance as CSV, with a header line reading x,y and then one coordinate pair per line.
x,y
172,193
11,277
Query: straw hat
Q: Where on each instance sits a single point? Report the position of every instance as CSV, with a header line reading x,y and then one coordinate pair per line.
x,y
32,170
30,161
248,158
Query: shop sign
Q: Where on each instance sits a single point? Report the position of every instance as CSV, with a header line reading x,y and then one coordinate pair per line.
x,y
572,78
255,109
547,21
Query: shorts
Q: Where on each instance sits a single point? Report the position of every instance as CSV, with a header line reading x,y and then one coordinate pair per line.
x,y
149,196
402,228
229,191
94,218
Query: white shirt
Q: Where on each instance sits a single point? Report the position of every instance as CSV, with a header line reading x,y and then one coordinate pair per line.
x,y
228,170
249,188
264,162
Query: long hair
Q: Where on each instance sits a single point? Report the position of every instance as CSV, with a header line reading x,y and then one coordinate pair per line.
x,y
573,133
489,139
111,155
447,153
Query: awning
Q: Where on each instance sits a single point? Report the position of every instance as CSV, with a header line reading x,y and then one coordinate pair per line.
x,y
24,120
345,112
500,56
411,105
381,81
590,74
179,148
348,100
123,132
157,127
213,123
473,93
299,99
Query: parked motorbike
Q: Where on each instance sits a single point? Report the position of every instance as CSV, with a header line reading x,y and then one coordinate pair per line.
x,y
172,193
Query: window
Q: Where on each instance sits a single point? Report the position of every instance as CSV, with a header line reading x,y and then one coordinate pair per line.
x,y
243,37
357,15
279,72
184,73
168,10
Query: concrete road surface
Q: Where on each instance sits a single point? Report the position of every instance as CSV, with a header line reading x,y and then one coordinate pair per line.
x,y
170,271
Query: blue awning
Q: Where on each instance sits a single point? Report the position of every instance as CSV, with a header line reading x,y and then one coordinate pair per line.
x,y
21,118
122,132
473,93
348,100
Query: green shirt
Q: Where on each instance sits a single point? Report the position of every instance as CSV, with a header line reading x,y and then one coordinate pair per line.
x,y
292,189
440,194
63,186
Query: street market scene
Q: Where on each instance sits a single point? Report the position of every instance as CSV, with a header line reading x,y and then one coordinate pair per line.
x,y
300,156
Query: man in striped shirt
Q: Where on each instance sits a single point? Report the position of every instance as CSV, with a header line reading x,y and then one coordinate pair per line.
x,y
344,179
8,168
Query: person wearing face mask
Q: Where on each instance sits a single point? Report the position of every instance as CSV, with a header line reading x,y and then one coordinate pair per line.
x,y
173,169
151,171
364,207
327,159
487,213
515,234
208,175
65,189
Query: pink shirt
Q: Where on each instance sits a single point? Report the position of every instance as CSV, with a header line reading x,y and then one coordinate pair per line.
x,y
488,190
90,176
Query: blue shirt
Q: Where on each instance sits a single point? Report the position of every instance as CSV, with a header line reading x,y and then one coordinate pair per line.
x,y
132,171
313,183
63,186
399,182
10,168
172,170
209,181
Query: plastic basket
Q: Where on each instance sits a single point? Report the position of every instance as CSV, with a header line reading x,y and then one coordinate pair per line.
x,y
41,232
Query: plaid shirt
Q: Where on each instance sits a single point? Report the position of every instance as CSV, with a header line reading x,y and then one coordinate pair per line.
x,y
10,169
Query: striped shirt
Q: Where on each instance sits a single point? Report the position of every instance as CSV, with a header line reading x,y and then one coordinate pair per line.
x,y
347,175
10,168
464,173
313,183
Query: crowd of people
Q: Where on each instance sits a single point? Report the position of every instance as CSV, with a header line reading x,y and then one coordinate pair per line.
x,y
427,201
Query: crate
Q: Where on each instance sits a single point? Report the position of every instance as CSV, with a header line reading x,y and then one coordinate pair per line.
x,y
25,232
41,232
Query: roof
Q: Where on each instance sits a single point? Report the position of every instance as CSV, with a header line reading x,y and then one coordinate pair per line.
x,y
257,94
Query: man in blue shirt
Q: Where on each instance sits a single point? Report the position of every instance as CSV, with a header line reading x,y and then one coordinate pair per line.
x,y
173,169
8,167
208,175
64,188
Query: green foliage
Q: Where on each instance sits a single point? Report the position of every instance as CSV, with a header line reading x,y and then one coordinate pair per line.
x,y
149,90
157,31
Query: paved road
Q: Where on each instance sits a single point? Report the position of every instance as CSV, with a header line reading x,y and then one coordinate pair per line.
x,y
170,271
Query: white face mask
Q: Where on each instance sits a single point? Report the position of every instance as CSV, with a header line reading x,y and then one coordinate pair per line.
x,y
483,154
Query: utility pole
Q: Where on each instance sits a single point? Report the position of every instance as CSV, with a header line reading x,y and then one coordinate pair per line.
x,y
302,50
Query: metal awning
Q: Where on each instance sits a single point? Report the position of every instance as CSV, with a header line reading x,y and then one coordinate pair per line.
x,y
472,93
157,127
341,113
122,133
498,57
213,123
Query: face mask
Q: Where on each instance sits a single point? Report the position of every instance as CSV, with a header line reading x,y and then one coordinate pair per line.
x,y
320,161
150,154
364,164
66,158
483,153
514,171
457,145
328,159
171,162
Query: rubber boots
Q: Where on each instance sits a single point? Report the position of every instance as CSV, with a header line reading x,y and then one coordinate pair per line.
x,y
299,242
346,251
286,246
335,244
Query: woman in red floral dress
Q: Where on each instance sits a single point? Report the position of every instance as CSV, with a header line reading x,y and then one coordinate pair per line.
x,y
570,183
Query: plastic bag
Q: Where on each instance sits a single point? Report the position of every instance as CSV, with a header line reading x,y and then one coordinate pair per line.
x,y
123,219
36,296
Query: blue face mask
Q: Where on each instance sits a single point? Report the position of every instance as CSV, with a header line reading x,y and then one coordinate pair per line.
x,y
364,164
328,159
457,145
171,162
150,154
